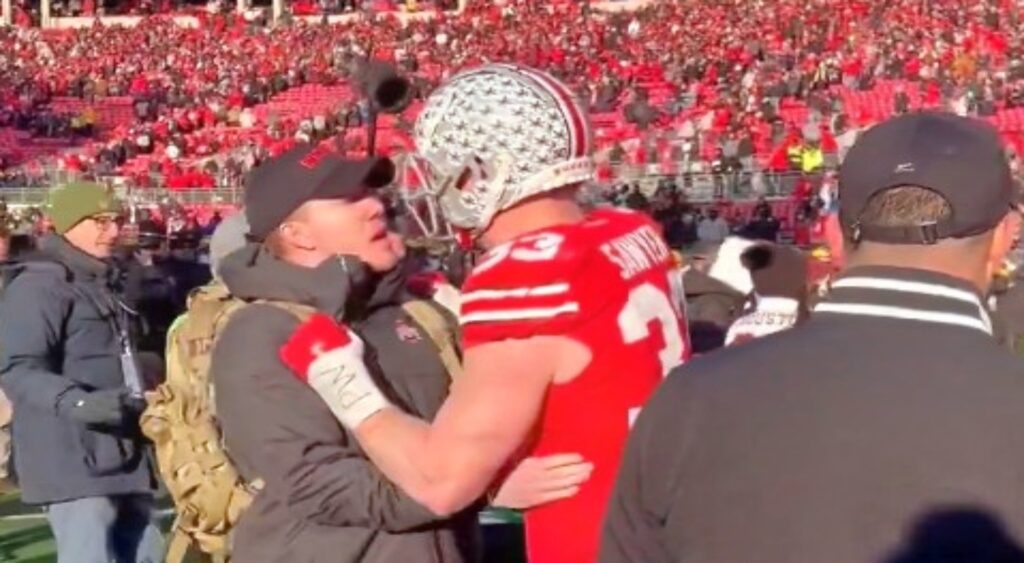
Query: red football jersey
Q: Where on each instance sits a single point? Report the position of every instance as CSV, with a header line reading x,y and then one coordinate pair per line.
x,y
608,283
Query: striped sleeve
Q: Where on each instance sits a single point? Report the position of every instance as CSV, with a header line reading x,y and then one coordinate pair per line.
x,y
517,304
514,311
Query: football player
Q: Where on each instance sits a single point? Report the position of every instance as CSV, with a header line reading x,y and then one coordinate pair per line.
x,y
570,319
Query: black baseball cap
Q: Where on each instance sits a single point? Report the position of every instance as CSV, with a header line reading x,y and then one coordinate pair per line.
x,y
959,158
276,188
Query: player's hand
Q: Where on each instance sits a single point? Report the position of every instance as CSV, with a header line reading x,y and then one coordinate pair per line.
x,y
540,480
329,357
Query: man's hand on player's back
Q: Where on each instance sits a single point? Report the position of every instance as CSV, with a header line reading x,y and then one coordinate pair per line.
x,y
447,466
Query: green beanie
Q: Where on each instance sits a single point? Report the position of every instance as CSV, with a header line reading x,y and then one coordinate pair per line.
x,y
73,203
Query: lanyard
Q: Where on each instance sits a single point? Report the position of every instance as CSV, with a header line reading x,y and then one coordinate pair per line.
x,y
117,313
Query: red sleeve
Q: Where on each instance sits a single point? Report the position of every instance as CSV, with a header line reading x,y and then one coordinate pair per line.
x,y
546,284
522,289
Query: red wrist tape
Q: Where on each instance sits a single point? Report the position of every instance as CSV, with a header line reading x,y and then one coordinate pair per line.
x,y
312,338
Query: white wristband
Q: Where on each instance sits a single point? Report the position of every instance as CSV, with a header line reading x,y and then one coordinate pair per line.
x,y
341,379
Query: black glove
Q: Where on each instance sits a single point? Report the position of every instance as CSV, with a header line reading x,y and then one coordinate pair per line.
x,y
105,407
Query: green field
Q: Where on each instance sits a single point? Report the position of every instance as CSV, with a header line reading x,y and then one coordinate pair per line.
x,y
24,535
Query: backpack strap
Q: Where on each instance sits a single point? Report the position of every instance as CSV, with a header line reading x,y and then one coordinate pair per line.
x,y
440,331
191,340
297,310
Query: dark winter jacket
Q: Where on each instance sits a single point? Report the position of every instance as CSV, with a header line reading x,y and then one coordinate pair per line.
x,y
59,319
323,501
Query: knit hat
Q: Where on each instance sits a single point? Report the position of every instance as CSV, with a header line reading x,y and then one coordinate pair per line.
x,y
73,203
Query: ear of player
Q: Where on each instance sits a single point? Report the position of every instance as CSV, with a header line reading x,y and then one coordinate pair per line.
x,y
329,358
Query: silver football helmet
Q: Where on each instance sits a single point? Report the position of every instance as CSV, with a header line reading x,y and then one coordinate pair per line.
x,y
494,135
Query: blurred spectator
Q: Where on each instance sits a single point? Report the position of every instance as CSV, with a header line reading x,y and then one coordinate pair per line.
x,y
763,225
713,229
636,200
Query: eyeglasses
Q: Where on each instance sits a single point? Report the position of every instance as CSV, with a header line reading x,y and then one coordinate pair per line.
x,y
104,222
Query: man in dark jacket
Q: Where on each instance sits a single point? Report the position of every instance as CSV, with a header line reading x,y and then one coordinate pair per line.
x,y
68,366
882,429
711,304
324,246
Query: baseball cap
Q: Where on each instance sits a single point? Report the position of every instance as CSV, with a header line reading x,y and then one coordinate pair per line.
x,y
275,189
959,158
73,203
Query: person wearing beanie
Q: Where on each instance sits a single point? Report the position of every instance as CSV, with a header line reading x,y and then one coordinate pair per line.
x,y
70,368
779,277
83,214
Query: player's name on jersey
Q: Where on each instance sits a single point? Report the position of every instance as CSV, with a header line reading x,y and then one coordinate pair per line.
x,y
636,251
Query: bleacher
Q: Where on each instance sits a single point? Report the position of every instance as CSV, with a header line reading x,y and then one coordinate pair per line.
x,y
19,147
304,101
111,112
291,106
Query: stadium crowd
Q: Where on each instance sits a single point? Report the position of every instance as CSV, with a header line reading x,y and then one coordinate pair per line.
x,y
694,86
219,342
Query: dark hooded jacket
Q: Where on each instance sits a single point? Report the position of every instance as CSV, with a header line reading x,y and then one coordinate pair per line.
x,y
59,336
323,501
711,307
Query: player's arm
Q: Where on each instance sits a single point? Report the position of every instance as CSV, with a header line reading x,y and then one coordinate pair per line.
x,y
450,464
490,412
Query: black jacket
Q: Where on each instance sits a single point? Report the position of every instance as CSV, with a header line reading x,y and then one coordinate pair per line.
x,y
1009,315
711,308
58,334
323,501
884,429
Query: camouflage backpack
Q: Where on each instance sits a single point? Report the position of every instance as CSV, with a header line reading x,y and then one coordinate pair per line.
x,y
208,492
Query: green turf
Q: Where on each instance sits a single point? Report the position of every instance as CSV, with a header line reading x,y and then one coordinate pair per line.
x,y
23,540
28,540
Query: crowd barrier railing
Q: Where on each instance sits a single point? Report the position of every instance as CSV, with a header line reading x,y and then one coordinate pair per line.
x,y
716,186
